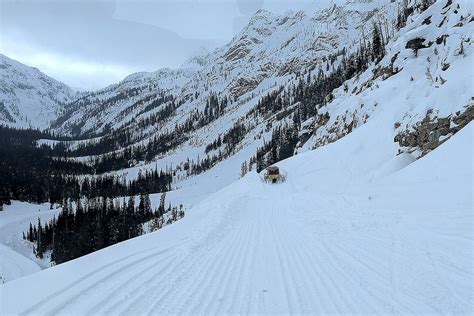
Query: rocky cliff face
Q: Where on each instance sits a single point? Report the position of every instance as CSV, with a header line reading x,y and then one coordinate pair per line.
x,y
432,131
422,84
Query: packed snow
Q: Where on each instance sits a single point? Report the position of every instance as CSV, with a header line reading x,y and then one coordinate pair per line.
x,y
357,228
331,239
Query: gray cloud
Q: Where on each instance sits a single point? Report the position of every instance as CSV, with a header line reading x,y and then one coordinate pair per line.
x,y
88,33
89,44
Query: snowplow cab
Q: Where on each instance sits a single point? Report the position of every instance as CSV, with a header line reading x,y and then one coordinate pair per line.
x,y
272,174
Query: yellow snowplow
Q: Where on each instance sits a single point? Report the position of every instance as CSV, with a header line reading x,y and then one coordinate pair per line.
x,y
273,175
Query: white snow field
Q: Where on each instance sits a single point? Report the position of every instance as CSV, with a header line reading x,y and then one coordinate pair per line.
x,y
13,265
16,255
352,231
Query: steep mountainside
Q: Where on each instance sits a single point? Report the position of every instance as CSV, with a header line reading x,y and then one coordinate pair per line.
x,y
271,49
29,98
244,99
425,75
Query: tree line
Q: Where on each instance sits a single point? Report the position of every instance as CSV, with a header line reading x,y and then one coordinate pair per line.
x,y
96,224
32,173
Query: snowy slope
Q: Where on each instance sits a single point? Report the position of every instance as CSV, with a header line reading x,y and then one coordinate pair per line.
x,y
400,244
14,265
17,258
29,98
417,83
431,84
414,89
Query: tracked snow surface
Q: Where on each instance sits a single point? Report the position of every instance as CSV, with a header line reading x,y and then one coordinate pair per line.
x,y
325,241
360,226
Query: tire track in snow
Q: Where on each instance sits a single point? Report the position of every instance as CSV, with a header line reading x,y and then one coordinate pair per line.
x,y
343,262
320,266
149,301
113,286
292,293
329,293
219,263
315,263
117,306
455,300
101,282
49,299
127,286
344,259
303,256
232,276
261,306
137,302
196,265
204,259
242,292
153,303
240,281
210,297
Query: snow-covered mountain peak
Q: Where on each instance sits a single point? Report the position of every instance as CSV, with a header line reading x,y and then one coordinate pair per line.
x,y
199,59
28,97
269,48
261,15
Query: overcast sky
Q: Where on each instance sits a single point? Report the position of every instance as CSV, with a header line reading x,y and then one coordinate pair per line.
x,y
90,44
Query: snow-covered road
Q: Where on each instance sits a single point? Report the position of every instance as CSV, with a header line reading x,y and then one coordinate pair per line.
x,y
402,244
265,256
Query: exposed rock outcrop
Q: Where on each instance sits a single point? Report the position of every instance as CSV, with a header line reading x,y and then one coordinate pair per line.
x,y
432,131
417,44
241,86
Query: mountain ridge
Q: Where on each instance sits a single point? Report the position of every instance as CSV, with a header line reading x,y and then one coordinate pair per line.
x,y
28,97
231,70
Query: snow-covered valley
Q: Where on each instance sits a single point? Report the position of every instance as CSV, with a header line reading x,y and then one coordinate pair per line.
x,y
376,214
399,244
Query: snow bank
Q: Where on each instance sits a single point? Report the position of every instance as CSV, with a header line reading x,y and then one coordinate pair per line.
x,y
14,265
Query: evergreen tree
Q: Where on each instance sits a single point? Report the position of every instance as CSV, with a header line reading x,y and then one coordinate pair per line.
x,y
378,48
161,207
39,245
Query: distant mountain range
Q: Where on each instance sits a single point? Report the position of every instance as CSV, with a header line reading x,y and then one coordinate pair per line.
x,y
279,71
